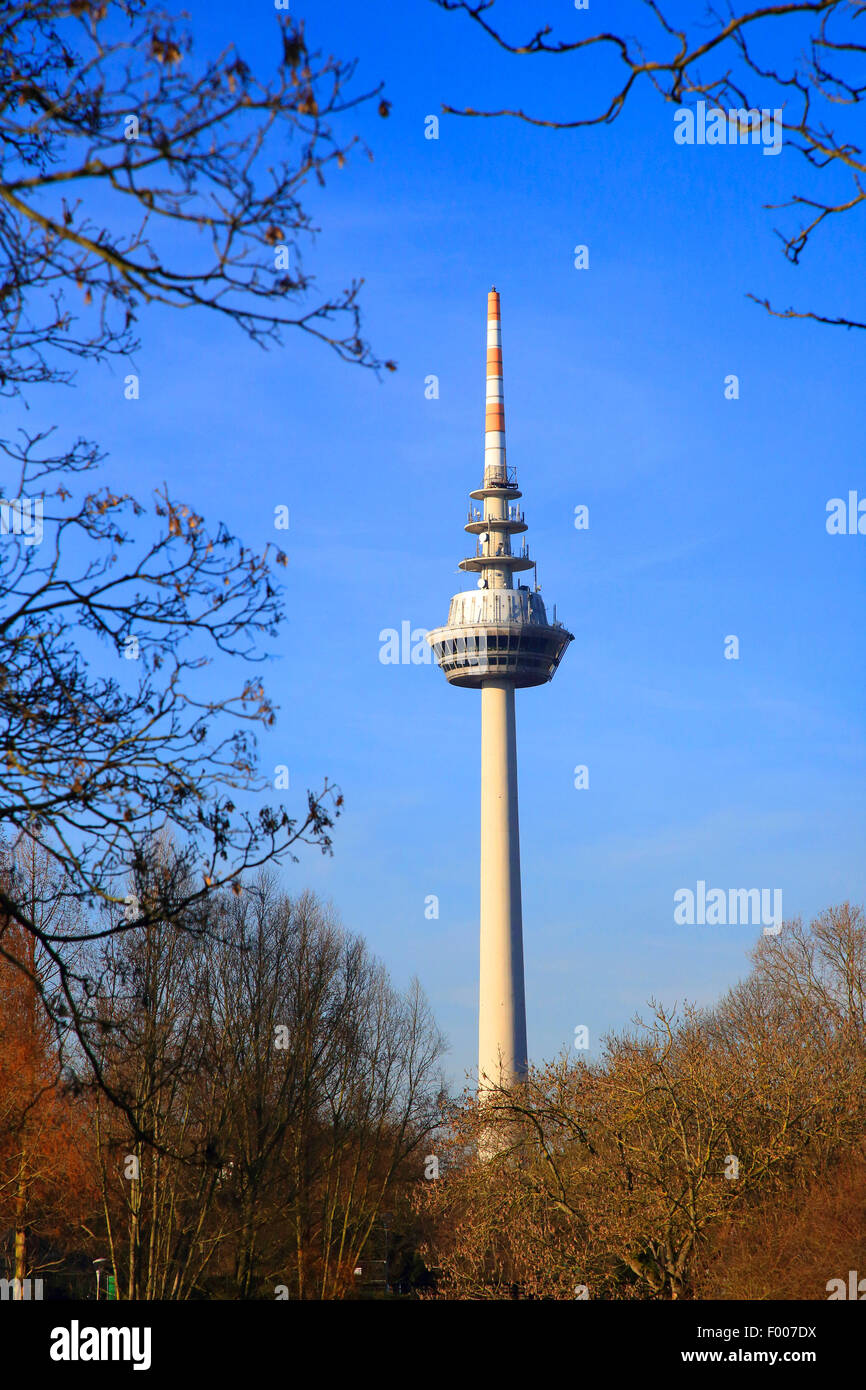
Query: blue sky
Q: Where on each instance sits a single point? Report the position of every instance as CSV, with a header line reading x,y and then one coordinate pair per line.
x,y
707,518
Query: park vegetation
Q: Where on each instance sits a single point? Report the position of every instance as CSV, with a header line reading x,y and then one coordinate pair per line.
x,y
267,1104
261,1093
706,1153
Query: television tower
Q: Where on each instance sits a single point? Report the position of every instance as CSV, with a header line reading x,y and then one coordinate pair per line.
x,y
498,639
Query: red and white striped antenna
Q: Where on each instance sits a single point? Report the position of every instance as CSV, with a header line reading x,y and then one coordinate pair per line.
x,y
494,424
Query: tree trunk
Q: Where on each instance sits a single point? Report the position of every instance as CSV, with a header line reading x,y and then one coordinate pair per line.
x,y
20,1271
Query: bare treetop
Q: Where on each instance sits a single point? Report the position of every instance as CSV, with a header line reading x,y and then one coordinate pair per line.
x,y
716,57
133,173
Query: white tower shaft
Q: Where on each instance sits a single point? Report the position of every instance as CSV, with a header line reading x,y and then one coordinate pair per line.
x,y
501,1001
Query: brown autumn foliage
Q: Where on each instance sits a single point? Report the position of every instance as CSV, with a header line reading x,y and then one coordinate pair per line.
x,y
790,1249
47,1179
611,1178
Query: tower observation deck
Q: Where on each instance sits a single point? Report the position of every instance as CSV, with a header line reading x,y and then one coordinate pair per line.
x,y
495,629
498,638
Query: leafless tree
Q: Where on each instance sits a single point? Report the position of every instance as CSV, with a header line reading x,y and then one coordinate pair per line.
x,y
615,1174
270,1086
745,58
134,173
